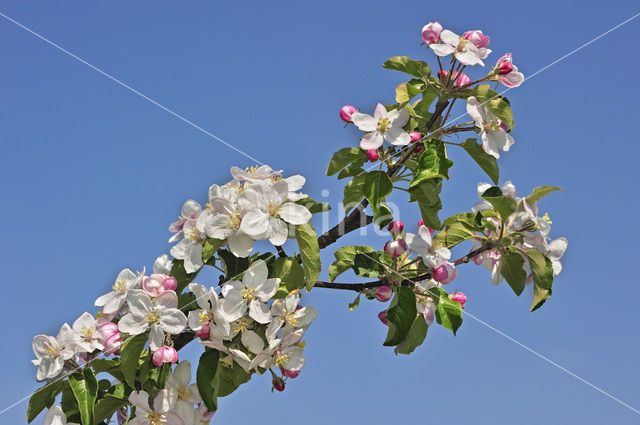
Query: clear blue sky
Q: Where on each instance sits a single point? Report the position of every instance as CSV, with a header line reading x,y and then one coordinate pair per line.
x,y
93,174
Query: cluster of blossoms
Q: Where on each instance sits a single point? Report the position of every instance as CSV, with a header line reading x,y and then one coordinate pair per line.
x,y
436,259
250,328
466,50
257,204
526,231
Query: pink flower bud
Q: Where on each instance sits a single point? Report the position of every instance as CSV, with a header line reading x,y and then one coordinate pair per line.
x,y
107,329
170,283
477,37
165,355
346,112
431,32
383,294
507,72
420,223
395,227
461,78
278,384
203,332
113,344
460,297
153,285
395,248
415,136
445,273
372,155
290,373
383,317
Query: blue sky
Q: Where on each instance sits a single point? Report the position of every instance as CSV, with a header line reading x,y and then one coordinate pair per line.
x,y
93,174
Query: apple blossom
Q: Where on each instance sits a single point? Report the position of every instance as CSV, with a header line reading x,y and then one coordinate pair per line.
x,y
253,174
286,312
464,51
160,315
252,294
372,155
346,111
431,32
162,265
162,412
180,381
165,355
444,273
460,297
290,373
111,336
55,416
112,302
459,78
210,315
278,384
52,353
383,293
383,317
480,40
494,137
189,249
190,211
395,248
157,283
382,125
201,416
88,338
415,136
507,73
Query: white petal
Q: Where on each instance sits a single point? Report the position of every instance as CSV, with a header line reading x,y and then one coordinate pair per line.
x,y
371,140
233,306
442,49
259,312
294,213
279,231
364,122
173,321
254,223
397,136
140,399
252,341
132,325
255,274
156,337
139,302
450,38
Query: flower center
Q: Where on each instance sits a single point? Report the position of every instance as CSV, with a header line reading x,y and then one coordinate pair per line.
x,y
241,325
204,316
273,208
494,124
184,393
119,287
251,169
282,359
195,235
291,319
152,317
463,42
53,351
227,362
546,218
248,293
383,125
154,418
234,221
87,334
301,345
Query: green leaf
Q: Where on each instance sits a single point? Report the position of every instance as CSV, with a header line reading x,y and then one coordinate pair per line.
x,y
234,267
182,277
454,234
407,91
107,406
313,206
206,378
497,104
540,192
505,205
43,398
353,192
353,305
513,272
129,356
351,170
309,252
85,389
345,257
377,186
290,272
210,247
230,378
541,268
415,338
409,66
369,264
540,295
433,163
69,405
421,107
487,162
400,316
448,313
426,193
344,157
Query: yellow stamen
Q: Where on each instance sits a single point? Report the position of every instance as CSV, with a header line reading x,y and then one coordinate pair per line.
x,y
282,360
184,392
203,317
546,218
234,221
273,208
291,319
227,362
383,125
118,287
155,418
152,317
301,345
247,293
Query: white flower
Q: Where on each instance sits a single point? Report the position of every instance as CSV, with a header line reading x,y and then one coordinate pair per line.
x,y
494,137
274,211
289,355
179,381
88,337
465,51
420,243
209,312
162,412
162,265
254,343
55,416
253,174
286,312
160,315
190,211
252,293
112,302
51,353
189,249
382,125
